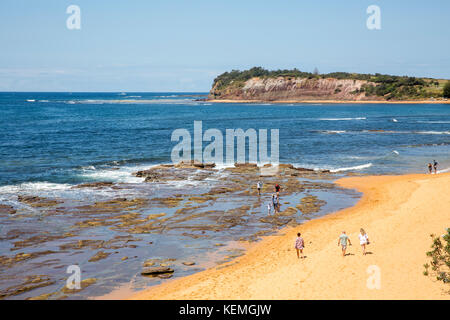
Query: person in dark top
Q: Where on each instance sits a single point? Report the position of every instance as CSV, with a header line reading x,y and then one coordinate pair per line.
x,y
430,168
435,165
277,188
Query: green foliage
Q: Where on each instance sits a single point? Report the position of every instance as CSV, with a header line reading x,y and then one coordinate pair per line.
x,y
446,92
387,86
440,258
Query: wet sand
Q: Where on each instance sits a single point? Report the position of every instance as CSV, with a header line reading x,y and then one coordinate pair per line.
x,y
398,212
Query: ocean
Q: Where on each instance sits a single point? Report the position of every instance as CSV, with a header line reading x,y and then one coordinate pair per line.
x,y
52,142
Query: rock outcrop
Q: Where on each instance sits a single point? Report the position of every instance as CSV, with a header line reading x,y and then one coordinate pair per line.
x,y
291,89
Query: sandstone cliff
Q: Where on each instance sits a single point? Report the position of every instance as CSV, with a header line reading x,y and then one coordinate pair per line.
x,y
290,88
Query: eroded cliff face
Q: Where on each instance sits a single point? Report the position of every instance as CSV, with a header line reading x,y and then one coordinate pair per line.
x,y
283,88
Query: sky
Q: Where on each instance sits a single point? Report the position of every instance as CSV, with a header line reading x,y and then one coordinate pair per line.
x,y
174,45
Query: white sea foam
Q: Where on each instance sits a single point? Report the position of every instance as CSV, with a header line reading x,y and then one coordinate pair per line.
x,y
432,132
443,170
361,167
123,174
396,152
31,100
334,131
394,120
30,187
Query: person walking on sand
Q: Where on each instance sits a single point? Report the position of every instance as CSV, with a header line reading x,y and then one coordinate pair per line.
x,y
343,239
363,240
299,245
435,165
259,186
430,168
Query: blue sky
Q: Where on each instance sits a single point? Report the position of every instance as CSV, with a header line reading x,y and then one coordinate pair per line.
x,y
174,45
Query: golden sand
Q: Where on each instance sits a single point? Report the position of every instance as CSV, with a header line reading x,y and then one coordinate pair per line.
x,y
398,212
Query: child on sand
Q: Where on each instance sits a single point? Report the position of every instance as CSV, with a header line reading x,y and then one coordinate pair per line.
x,y
435,165
269,208
430,168
343,238
363,240
299,245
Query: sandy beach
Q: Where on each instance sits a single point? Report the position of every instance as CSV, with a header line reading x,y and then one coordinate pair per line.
x,y
398,212
334,101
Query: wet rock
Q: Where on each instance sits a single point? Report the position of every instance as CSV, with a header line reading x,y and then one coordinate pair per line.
x,y
30,283
156,270
165,275
83,284
124,258
96,185
99,256
35,201
189,263
310,204
288,212
44,296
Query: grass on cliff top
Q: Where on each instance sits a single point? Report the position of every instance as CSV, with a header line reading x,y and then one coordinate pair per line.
x,y
387,86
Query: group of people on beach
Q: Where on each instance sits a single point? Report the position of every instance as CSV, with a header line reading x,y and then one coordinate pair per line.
x,y
275,201
343,241
432,166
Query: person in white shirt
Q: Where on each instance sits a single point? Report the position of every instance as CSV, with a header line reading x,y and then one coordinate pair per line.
x,y
259,186
269,208
363,240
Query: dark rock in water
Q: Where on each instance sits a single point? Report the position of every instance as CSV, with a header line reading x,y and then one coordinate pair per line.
x,y
99,256
189,263
194,164
151,177
246,165
4,208
94,185
30,283
156,270
304,169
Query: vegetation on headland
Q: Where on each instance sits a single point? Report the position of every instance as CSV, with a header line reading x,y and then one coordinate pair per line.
x,y
378,85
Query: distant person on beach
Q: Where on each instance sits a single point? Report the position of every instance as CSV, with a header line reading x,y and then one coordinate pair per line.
x,y
299,245
343,239
259,186
430,168
277,188
275,202
435,165
363,240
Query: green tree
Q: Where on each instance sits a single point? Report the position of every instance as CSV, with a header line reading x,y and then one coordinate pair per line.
x,y
446,92
440,258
